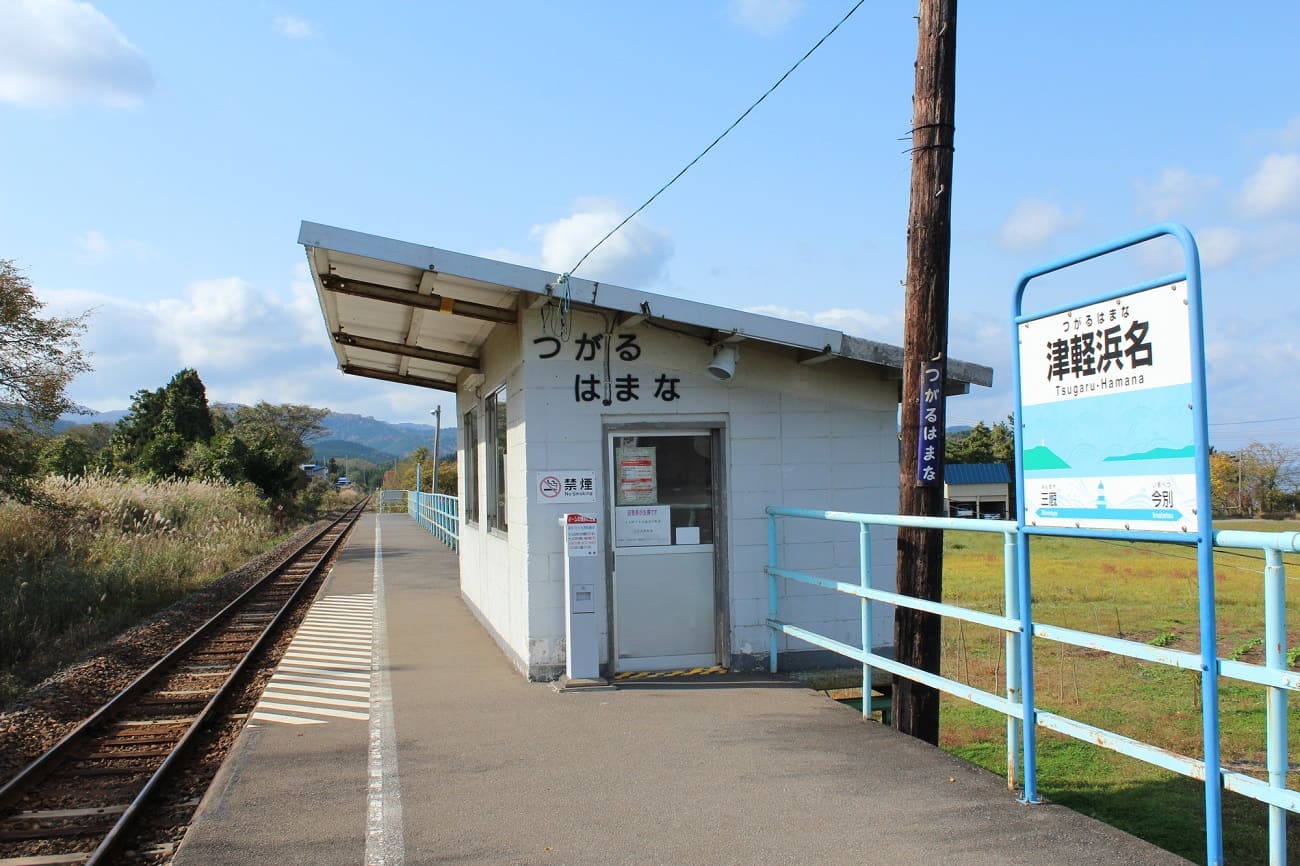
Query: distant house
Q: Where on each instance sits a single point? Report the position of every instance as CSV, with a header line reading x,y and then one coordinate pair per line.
x,y
313,470
343,481
977,490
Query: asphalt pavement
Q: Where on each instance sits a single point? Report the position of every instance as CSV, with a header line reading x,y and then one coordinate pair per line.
x,y
460,760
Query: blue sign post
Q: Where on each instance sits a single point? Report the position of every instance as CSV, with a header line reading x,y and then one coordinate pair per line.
x,y
1112,442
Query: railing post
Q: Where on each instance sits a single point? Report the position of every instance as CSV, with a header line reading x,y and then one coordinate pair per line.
x,y
1029,727
1011,642
1275,660
868,639
771,593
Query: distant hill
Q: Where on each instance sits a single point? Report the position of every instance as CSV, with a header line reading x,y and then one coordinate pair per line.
x,y
346,436
69,419
396,440
341,449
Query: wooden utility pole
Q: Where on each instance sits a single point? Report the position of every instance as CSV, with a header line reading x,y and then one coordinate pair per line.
x,y
925,339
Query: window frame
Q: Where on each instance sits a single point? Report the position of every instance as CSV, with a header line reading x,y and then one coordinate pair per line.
x,y
496,416
472,497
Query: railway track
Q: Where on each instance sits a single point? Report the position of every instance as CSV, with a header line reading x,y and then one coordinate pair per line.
x,y
76,803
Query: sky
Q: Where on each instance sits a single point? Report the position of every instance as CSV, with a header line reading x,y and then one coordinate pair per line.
x,y
159,157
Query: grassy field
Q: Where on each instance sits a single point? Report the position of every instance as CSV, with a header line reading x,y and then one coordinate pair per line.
x,y
111,552
1142,592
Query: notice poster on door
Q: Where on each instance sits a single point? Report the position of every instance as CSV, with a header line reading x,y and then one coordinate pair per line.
x,y
643,525
636,475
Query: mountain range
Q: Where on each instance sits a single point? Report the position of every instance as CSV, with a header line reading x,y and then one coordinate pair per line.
x,y
346,436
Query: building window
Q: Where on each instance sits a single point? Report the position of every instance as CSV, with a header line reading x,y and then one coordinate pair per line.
x,y
495,408
471,466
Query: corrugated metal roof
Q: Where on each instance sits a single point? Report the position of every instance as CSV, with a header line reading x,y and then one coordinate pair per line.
x,y
976,473
410,313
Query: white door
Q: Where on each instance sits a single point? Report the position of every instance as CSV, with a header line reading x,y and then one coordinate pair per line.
x,y
663,536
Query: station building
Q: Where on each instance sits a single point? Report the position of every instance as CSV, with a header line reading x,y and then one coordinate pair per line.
x,y
675,423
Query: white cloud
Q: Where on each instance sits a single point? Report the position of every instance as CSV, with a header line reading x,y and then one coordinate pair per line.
x,y
94,244
293,27
1275,242
1033,223
634,256
1290,134
247,344
1274,187
1174,191
764,17
1236,353
1220,246
56,52
882,327
973,337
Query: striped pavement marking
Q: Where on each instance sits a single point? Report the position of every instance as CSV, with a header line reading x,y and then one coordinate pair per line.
x,y
658,675
325,673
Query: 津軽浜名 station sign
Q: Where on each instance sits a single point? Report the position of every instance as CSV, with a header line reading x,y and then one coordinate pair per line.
x,y
1107,414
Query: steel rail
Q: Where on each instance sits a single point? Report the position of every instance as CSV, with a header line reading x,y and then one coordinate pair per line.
x,y
28,779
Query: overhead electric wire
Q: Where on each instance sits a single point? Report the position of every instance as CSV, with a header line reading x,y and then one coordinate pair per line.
x,y
734,124
1257,421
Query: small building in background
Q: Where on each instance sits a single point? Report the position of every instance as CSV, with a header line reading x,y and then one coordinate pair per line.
x,y
977,490
674,423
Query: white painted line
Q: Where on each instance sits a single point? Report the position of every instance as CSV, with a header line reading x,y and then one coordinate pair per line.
x,y
360,685
326,673
317,711
332,640
324,656
360,631
345,651
384,843
320,689
276,694
260,716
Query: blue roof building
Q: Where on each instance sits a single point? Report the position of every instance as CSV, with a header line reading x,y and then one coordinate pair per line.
x,y
977,490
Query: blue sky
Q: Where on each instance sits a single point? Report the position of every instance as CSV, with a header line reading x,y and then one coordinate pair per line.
x,y
159,157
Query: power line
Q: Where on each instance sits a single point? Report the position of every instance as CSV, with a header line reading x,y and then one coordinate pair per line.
x,y
734,124
1259,421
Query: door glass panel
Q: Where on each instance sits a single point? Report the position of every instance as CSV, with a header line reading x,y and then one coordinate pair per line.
x,y
663,490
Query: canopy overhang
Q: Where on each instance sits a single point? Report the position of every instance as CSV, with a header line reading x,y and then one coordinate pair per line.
x,y
419,315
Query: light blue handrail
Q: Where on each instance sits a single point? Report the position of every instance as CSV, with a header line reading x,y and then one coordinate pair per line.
x,y
438,513
1273,674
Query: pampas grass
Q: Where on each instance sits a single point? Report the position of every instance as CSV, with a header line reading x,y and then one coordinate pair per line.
x,y
107,552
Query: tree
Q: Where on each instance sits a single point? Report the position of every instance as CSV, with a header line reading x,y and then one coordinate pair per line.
x,y
1225,489
984,444
66,455
163,426
265,445
1268,476
39,358
1259,479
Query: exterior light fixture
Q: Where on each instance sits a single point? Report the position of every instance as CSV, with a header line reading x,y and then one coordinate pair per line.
x,y
723,365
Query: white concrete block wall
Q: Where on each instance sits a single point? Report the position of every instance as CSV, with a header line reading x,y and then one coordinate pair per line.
x,y
494,565
826,440
821,437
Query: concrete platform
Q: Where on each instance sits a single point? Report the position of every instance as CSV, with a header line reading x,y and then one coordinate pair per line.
x,y
426,746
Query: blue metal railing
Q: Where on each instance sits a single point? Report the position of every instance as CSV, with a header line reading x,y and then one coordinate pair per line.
x,y
1017,706
438,513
